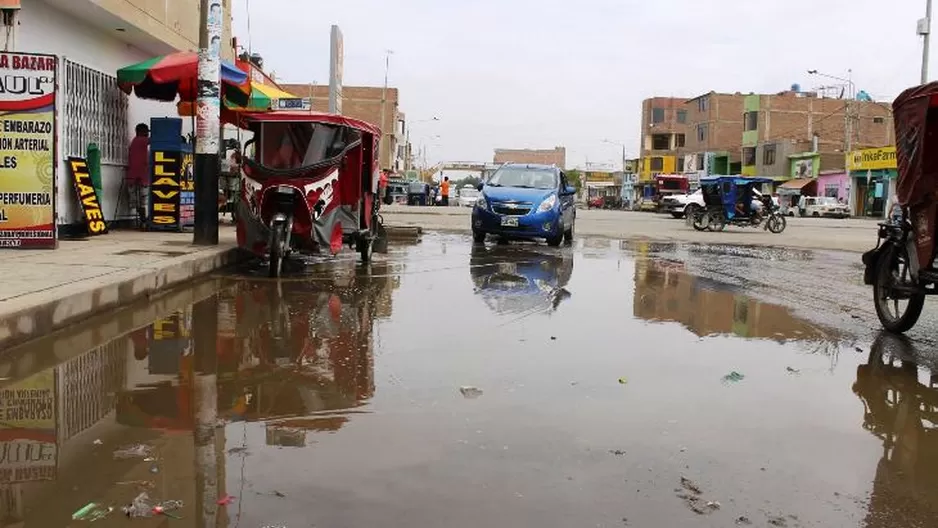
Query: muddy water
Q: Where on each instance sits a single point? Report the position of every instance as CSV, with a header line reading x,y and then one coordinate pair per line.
x,y
446,385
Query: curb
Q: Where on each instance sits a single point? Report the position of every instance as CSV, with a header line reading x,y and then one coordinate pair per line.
x,y
48,316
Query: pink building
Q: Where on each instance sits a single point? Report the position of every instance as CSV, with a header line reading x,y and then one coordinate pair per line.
x,y
835,184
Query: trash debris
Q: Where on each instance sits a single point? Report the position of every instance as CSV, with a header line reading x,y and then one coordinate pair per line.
x,y
693,498
136,451
690,485
617,452
713,505
238,450
469,391
97,442
277,493
792,370
623,380
154,469
91,512
167,507
553,338
743,520
683,450
778,521
574,383
226,500
858,349
733,377
140,507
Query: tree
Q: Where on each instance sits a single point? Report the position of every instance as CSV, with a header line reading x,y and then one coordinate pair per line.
x,y
469,180
575,179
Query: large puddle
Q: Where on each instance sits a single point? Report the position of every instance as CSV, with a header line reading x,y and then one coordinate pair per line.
x,y
451,385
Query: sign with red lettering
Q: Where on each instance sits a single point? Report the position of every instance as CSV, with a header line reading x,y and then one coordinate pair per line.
x,y
27,150
88,200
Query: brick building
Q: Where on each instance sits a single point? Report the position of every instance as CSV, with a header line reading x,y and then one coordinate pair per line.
x,y
365,103
714,132
782,126
555,156
664,135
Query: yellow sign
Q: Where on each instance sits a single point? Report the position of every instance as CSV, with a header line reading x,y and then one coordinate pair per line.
x,y
598,177
29,404
871,159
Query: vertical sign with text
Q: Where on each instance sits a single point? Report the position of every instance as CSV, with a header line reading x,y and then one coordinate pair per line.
x,y
166,191
27,150
28,448
88,200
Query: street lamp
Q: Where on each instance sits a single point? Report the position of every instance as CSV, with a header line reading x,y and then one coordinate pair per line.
x,y
924,29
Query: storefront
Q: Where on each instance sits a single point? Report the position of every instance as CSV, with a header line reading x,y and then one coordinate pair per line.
x,y
834,184
873,179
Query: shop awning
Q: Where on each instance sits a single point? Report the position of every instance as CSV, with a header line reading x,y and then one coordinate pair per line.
x,y
796,185
261,98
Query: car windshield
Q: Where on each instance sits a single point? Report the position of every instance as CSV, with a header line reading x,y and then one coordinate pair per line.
x,y
827,201
524,177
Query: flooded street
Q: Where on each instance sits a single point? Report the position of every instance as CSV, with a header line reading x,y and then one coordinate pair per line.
x,y
608,384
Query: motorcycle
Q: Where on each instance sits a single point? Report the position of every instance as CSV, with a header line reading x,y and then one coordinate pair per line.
x,y
309,186
901,268
720,198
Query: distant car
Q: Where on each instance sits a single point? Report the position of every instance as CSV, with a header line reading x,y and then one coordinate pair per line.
x,y
818,206
681,205
467,196
526,201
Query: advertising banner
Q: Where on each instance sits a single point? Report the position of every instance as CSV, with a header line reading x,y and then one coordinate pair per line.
x,y
87,196
27,150
872,159
28,450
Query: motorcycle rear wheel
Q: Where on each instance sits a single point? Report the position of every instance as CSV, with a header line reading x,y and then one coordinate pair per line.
x,y
893,268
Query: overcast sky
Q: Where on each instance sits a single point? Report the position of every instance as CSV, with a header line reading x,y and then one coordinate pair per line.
x,y
536,74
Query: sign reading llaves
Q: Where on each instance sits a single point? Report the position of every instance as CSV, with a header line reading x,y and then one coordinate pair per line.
x,y
27,150
88,200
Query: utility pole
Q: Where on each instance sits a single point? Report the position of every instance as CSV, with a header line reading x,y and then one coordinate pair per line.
x,y
924,29
204,387
208,124
384,107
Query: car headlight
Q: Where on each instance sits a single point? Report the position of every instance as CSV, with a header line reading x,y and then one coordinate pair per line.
x,y
548,203
481,203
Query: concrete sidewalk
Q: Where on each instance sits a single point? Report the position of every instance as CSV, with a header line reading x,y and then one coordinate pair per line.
x,y
45,290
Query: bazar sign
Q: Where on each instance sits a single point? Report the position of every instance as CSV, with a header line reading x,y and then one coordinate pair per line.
x,y
27,150
87,196
872,159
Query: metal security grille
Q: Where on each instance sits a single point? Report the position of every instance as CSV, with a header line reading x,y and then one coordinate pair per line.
x,y
89,384
95,112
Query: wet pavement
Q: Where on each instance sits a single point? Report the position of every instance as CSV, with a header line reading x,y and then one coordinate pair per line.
x,y
609,384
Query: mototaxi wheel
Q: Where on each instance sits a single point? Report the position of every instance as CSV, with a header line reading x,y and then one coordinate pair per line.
x,y
278,240
717,222
892,269
777,223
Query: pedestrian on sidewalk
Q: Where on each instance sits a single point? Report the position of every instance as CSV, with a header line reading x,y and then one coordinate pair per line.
x,y
138,174
444,190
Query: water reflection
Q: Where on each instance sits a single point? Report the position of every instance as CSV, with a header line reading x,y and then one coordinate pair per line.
x,y
664,291
297,356
900,400
520,279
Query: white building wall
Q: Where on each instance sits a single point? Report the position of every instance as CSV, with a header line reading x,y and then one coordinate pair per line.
x,y
45,29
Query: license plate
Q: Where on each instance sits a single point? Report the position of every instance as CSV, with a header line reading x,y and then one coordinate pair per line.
x,y
509,221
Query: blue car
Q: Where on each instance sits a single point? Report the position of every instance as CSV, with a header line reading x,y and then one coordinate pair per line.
x,y
522,201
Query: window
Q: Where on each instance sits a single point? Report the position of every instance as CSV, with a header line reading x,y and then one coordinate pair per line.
x,y
657,115
700,161
879,120
680,164
703,104
768,155
832,190
702,130
679,140
657,164
751,121
682,116
749,156
661,142
95,112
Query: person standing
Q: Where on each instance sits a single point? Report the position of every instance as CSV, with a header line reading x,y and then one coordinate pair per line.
x,y
138,174
444,190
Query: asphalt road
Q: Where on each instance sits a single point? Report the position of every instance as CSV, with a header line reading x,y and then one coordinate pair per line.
x,y
609,383
856,235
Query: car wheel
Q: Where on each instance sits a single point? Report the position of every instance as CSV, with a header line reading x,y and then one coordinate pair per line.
x,y
816,214
677,215
791,214
568,235
555,241
478,236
